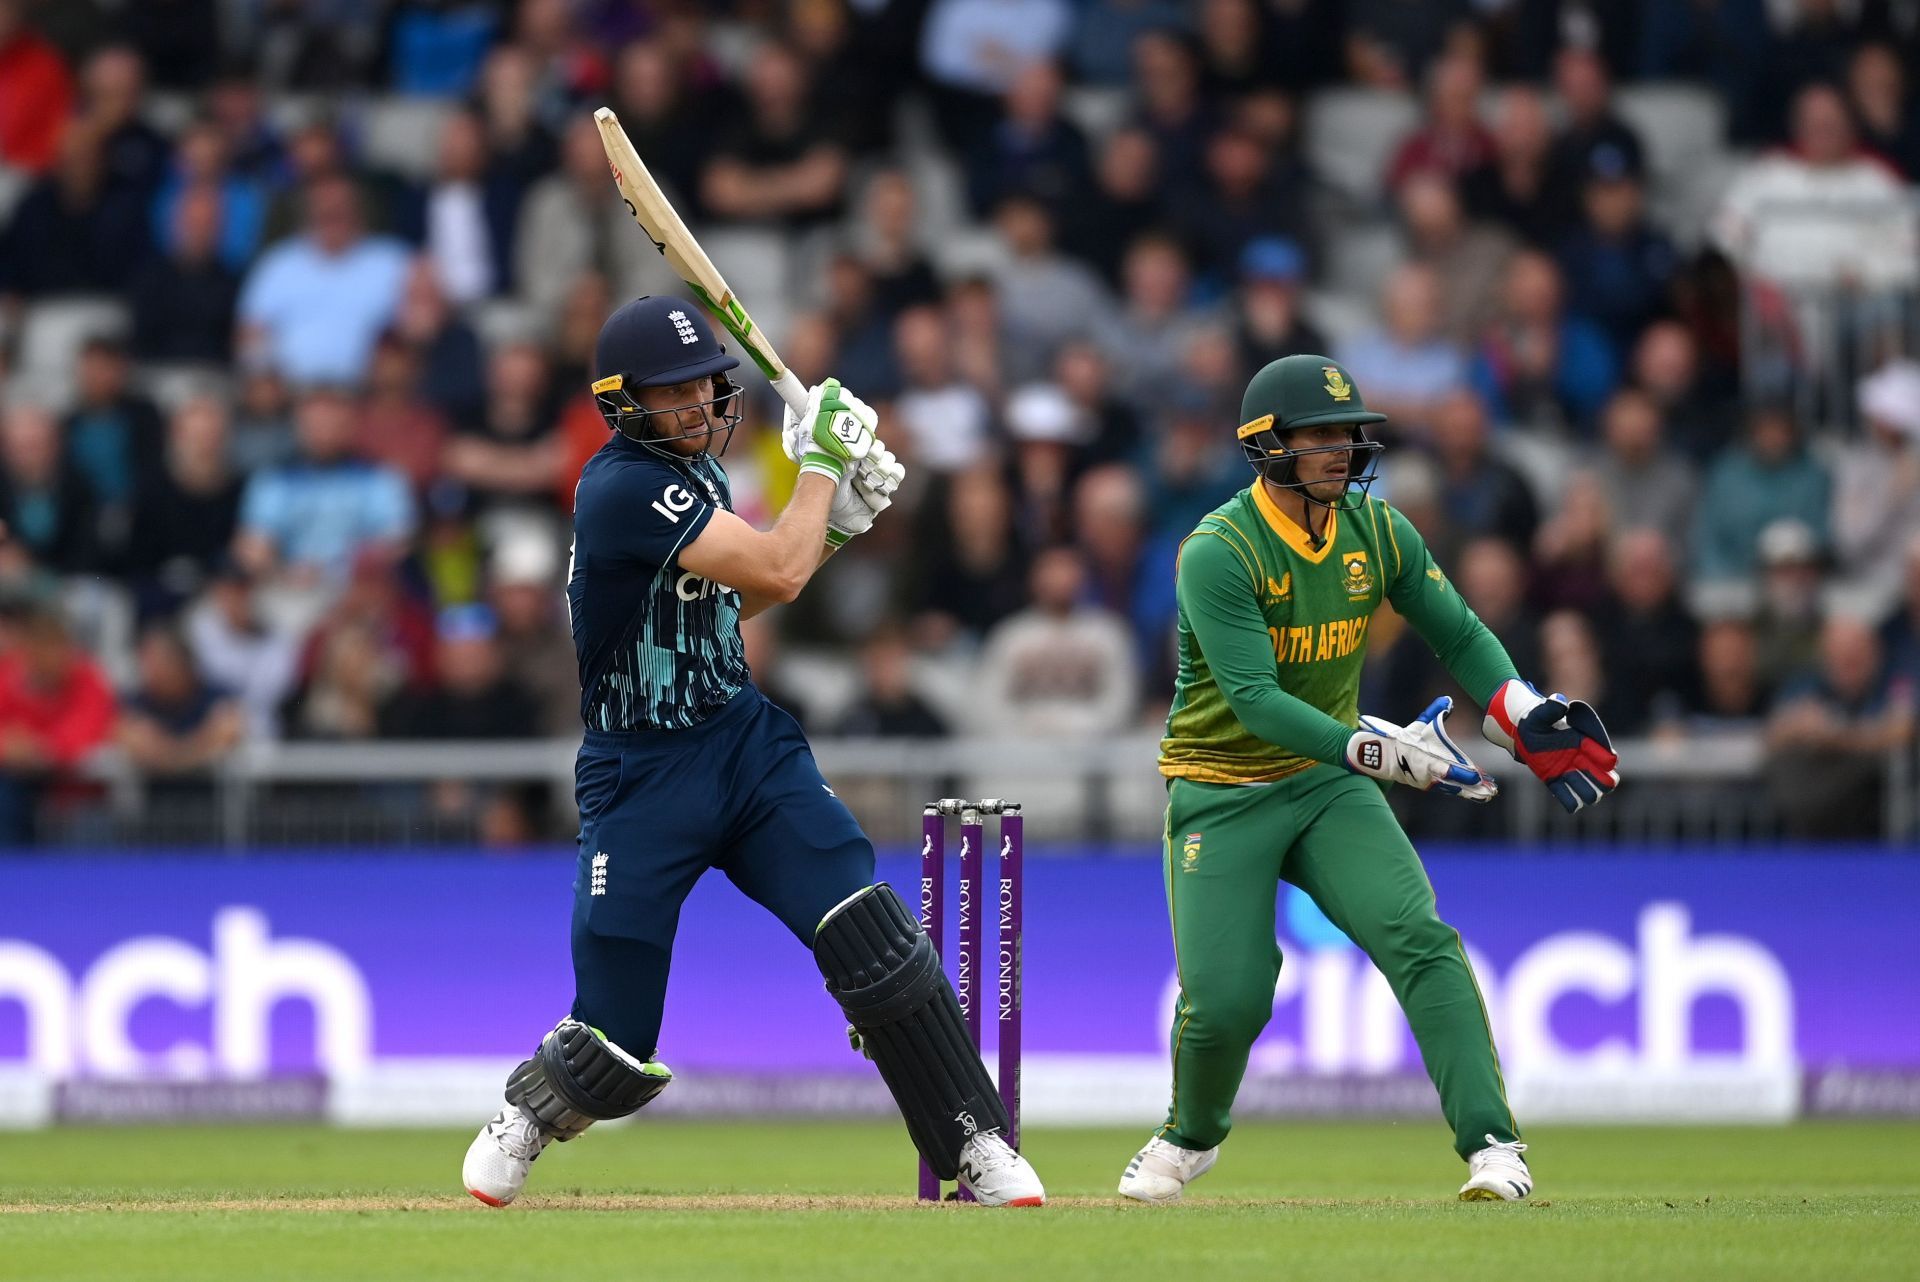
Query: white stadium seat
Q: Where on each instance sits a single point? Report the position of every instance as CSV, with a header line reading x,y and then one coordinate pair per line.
x,y
1351,135
402,134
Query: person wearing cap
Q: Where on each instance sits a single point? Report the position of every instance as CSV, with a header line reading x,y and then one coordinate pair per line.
x,y
1876,488
687,766
1273,775
1616,264
1266,314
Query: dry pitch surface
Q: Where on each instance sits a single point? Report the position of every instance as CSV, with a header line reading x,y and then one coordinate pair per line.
x,y
739,1200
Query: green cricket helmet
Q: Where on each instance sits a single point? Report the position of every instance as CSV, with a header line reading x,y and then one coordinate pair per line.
x,y
1305,391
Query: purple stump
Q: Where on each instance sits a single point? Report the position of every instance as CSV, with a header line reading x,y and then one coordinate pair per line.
x,y
933,870
1012,856
970,936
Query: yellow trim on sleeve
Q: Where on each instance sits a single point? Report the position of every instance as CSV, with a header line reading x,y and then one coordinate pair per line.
x,y
1291,534
1238,555
1259,567
1399,562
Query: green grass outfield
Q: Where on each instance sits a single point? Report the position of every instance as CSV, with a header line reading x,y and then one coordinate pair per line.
x,y
670,1200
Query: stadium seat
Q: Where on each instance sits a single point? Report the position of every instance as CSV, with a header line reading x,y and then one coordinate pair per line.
x,y
1098,111
1360,255
506,320
757,270
402,134
1351,134
53,332
1684,128
170,383
169,112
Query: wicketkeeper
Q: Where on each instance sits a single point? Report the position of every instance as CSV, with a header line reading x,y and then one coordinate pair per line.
x,y
1273,774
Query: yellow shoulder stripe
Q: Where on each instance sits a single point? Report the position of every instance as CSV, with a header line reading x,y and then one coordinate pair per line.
x,y
1399,562
1222,536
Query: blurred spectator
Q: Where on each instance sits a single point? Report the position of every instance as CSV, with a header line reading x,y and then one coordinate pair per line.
x,y
1830,736
1570,658
1143,339
1451,141
202,169
1304,41
1407,366
972,569
184,515
1901,633
1666,366
398,427
1390,43
942,420
263,433
862,331
1876,489
44,499
1822,214
572,347
1046,429
1194,465
1060,667
1126,572
1787,625
436,48
568,65
1032,149
309,520
236,103
1618,268
316,153
1267,314
1539,365
982,352
658,113
183,298
1570,552
536,647
76,231
36,93
1491,578
859,60
351,678
761,642
1123,200
473,696
890,246
1646,482
464,222
1514,189
114,436
174,723
1591,127
573,221
1647,637
1171,105
1106,428
239,650
1877,93
56,708
780,162
518,143
887,707
1045,296
1466,258
1812,40
112,86
313,305
449,350
1733,698
1768,476
510,455
1243,199
1479,493
973,50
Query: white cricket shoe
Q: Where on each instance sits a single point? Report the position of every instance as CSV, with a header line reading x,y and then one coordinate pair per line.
x,y
1161,1171
1498,1173
998,1176
501,1155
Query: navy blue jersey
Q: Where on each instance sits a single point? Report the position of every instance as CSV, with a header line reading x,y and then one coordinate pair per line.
x,y
659,647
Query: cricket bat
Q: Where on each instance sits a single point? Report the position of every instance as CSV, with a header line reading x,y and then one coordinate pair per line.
x,y
650,208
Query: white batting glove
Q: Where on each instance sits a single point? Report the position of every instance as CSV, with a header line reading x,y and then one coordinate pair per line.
x,y
864,495
1419,755
834,431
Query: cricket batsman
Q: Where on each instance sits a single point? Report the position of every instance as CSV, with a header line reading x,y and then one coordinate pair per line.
x,y
1272,774
686,766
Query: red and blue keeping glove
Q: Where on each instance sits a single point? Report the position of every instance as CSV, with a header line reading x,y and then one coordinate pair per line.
x,y
1560,740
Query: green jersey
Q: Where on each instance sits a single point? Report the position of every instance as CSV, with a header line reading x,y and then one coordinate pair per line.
x,y
1273,634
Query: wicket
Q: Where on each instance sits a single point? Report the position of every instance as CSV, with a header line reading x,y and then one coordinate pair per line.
x,y
969,945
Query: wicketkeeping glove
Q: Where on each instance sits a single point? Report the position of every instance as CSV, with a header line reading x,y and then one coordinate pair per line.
x,y
1419,755
1561,741
834,432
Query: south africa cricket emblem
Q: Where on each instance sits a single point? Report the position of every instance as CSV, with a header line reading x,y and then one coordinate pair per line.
x,y
1190,852
1359,580
1337,385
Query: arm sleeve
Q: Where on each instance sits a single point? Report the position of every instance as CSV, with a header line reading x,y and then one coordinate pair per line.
x,y
1215,589
1422,595
643,513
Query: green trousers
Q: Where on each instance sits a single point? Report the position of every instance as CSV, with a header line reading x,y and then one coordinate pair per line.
x,y
1331,834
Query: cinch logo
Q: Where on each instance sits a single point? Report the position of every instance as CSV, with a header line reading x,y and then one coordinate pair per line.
x,y
683,327
84,1024
691,587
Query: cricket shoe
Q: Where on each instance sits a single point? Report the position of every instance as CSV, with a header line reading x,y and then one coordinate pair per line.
x,y
501,1155
1498,1173
1161,1171
998,1176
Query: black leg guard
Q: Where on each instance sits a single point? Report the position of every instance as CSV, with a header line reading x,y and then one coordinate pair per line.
x,y
576,1079
883,970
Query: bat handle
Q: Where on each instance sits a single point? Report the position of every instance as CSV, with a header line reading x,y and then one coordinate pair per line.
x,y
792,391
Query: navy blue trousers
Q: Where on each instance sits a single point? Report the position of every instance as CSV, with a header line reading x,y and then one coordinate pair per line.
x,y
739,792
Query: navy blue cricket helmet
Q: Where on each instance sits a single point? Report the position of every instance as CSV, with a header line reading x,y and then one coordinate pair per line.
x,y
656,342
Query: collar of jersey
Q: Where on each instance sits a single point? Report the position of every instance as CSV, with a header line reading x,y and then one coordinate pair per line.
x,y
1291,534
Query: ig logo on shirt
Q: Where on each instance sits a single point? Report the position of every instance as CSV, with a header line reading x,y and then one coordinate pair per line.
x,y
673,502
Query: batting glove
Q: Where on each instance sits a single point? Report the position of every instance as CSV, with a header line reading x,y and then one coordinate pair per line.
x,y
1561,741
833,432
863,495
1420,755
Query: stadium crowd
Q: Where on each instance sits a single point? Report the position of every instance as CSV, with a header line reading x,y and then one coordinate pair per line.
x,y
307,472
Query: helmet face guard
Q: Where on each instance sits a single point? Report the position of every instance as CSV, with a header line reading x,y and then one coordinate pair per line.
x,y
625,415
1278,464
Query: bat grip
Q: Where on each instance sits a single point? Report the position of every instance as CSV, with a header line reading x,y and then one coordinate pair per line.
x,y
792,391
